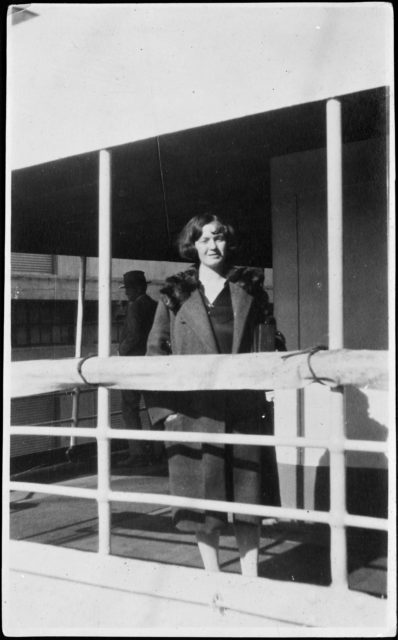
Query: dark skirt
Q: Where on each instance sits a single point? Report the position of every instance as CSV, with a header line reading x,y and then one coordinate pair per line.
x,y
235,473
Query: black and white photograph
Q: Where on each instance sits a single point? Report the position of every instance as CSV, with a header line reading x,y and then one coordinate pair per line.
x,y
199,320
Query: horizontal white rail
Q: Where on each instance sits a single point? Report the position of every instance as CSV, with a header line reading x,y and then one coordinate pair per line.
x,y
366,522
256,371
53,489
93,416
82,432
216,438
306,515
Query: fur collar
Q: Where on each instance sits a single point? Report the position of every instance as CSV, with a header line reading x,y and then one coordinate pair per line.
x,y
179,287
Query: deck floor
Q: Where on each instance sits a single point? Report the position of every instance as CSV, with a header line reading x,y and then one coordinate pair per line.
x,y
289,551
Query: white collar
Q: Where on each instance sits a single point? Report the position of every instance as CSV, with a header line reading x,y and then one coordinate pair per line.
x,y
209,277
212,282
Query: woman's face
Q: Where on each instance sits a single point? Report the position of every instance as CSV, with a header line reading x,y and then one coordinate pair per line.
x,y
212,246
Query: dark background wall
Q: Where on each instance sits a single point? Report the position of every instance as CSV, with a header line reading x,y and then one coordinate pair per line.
x,y
300,255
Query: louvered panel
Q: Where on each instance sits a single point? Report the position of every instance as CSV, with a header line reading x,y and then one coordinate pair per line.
x,y
116,420
36,410
32,262
33,410
87,407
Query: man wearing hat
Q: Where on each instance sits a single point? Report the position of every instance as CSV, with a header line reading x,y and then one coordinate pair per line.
x,y
137,324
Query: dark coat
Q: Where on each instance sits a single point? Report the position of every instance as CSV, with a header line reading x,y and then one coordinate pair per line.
x,y
220,472
137,325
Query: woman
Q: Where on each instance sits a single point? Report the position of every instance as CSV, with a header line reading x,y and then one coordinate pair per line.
x,y
214,307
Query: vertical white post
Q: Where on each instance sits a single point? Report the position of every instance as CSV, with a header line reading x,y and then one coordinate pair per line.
x,y
392,463
104,347
338,547
335,224
7,347
79,338
80,306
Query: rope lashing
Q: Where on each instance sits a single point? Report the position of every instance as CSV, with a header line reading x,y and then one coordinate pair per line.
x,y
79,368
315,378
311,351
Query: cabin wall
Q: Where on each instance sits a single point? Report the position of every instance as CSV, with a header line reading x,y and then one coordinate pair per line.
x,y
299,219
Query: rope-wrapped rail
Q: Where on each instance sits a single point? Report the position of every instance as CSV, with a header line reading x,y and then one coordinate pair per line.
x,y
256,371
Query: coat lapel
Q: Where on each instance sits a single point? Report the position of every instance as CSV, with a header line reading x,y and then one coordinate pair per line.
x,y
193,311
241,304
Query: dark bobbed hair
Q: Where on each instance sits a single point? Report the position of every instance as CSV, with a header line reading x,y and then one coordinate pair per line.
x,y
193,230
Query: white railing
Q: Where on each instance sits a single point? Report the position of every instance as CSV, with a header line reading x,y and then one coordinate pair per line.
x,y
290,369
306,515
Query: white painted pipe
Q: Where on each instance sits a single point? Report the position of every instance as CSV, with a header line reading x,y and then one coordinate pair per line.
x,y
304,515
215,438
335,223
338,546
104,347
79,339
80,306
53,489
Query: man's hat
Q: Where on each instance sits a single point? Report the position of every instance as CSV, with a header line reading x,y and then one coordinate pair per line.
x,y
132,278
